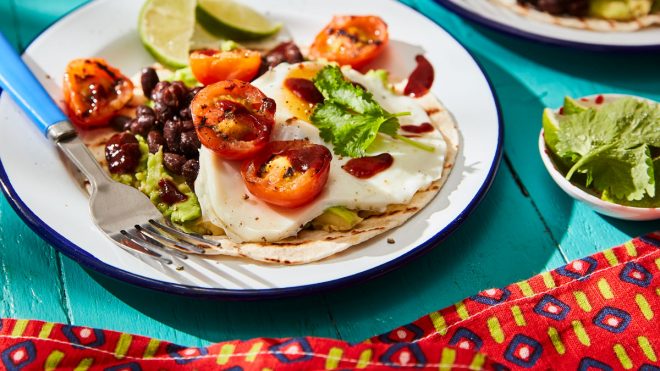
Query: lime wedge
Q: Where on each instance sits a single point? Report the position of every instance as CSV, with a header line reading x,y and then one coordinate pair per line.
x,y
165,28
550,128
572,106
229,19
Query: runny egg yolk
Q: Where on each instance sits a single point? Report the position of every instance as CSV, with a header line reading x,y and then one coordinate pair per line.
x,y
301,108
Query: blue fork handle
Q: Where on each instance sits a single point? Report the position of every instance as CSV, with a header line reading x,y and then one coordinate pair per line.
x,y
17,80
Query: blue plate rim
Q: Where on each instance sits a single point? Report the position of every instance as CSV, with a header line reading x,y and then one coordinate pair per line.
x,y
516,32
88,261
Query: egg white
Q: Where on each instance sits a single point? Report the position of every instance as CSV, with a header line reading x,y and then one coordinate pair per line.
x,y
227,203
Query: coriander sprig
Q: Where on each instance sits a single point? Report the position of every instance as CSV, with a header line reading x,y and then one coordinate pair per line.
x,y
350,118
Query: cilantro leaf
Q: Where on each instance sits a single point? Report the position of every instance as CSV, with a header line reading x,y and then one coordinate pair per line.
x,y
349,117
611,145
625,174
647,201
352,134
331,83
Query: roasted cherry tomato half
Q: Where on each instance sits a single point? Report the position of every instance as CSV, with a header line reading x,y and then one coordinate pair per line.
x,y
233,118
288,173
94,91
351,40
211,66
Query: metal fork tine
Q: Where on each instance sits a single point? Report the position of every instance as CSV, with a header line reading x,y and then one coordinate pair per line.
x,y
161,241
165,239
155,239
146,249
193,241
182,235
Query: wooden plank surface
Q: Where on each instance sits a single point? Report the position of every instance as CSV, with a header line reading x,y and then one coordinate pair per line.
x,y
8,22
30,272
516,232
529,77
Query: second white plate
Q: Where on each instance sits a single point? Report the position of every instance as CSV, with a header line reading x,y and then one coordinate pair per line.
x,y
502,19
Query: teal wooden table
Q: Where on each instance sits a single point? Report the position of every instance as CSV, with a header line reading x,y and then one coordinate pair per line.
x,y
525,225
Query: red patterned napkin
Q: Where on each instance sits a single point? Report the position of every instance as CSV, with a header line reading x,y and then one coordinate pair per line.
x,y
596,313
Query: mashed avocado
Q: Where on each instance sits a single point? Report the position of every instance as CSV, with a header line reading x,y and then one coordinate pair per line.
x,y
185,75
621,10
148,180
146,177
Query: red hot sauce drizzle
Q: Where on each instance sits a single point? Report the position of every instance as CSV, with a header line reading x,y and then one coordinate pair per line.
x,y
304,89
421,79
366,167
418,129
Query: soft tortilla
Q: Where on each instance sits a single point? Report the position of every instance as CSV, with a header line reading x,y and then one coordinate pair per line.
x,y
593,24
313,245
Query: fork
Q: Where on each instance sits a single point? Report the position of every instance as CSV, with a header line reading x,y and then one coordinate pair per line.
x,y
122,212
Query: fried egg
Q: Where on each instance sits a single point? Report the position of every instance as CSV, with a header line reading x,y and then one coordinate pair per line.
x,y
227,203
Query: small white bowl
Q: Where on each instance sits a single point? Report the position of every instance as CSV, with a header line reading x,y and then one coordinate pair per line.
x,y
600,206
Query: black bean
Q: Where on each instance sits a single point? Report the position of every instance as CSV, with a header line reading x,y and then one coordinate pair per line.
x,y
190,171
190,144
155,141
163,112
169,193
292,53
284,52
577,8
174,162
157,93
187,125
184,113
120,123
147,120
170,96
144,110
142,125
172,133
149,79
129,124
122,152
556,7
180,89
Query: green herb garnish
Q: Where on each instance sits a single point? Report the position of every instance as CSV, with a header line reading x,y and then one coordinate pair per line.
x,y
350,118
612,146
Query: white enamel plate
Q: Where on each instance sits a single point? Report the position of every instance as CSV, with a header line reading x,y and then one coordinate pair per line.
x,y
505,20
41,187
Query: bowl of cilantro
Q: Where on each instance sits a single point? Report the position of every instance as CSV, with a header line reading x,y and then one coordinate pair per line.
x,y
604,150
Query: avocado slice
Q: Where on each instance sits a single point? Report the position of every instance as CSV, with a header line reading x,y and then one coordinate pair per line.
x,y
336,218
